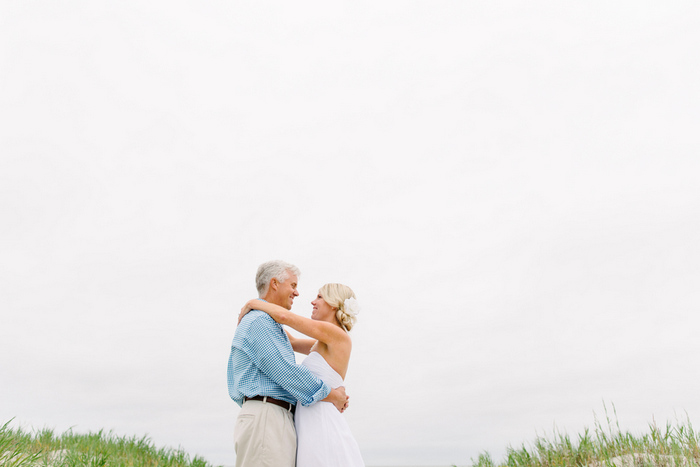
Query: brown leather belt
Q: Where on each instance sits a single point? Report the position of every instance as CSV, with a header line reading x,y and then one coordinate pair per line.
x,y
284,404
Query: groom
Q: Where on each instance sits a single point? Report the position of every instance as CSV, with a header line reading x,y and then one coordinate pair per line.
x,y
264,379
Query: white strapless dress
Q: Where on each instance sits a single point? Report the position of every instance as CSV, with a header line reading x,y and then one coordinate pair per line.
x,y
323,436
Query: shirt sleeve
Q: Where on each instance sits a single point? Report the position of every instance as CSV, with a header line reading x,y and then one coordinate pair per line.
x,y
268,347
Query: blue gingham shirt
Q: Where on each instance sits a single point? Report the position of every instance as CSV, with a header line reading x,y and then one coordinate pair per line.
x,y
262,363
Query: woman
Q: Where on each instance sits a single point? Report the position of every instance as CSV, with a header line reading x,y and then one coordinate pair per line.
x,y
323,435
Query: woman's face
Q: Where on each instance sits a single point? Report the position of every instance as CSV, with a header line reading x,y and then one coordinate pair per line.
x,y
322,311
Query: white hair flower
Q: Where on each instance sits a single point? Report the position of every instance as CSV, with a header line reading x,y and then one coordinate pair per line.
x,y
351,307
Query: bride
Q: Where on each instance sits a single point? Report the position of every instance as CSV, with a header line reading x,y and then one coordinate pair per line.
x,y
323,435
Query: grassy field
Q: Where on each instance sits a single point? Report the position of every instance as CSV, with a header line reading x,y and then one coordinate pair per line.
x,y
43,448
607,446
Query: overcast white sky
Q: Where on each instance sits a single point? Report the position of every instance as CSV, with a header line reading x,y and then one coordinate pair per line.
x,y
509,187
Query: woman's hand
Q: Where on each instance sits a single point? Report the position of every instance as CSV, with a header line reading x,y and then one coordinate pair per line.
x,y
250,305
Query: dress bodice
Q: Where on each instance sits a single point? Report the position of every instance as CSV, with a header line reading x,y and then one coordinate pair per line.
x,y
320,367
323,434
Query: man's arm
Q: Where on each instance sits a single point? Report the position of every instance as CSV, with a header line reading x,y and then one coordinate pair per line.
x,y
268,348
338,398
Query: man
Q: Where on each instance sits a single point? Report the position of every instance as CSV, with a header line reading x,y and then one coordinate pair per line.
x,y
264,379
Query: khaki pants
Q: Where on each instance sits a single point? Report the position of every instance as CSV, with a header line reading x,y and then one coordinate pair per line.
x,y
265,436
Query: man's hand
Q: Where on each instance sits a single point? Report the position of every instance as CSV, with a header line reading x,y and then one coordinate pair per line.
x,y
338,398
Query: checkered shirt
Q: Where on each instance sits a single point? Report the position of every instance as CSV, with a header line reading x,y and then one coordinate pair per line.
x,y
262,363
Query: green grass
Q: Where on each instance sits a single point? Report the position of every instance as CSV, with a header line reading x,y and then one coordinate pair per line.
x,y
19,448
672,445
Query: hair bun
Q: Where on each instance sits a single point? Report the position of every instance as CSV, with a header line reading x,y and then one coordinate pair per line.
x,y
343,298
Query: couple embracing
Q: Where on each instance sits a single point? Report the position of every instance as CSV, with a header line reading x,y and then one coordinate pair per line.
x,y
292,414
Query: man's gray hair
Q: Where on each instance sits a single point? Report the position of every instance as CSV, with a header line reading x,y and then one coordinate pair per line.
x,y
273,269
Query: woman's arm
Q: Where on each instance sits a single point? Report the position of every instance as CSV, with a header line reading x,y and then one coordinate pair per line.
x,y
301,345
320,330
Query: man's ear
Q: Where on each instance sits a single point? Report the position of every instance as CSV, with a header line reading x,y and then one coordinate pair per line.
x,y
274,283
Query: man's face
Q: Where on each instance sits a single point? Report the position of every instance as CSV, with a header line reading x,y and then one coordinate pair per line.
x,y
287,291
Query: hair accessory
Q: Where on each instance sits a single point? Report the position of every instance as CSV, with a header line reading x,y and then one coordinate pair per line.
x,y
351,307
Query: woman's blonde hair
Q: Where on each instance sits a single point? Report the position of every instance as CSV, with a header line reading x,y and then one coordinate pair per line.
x,y
335,295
